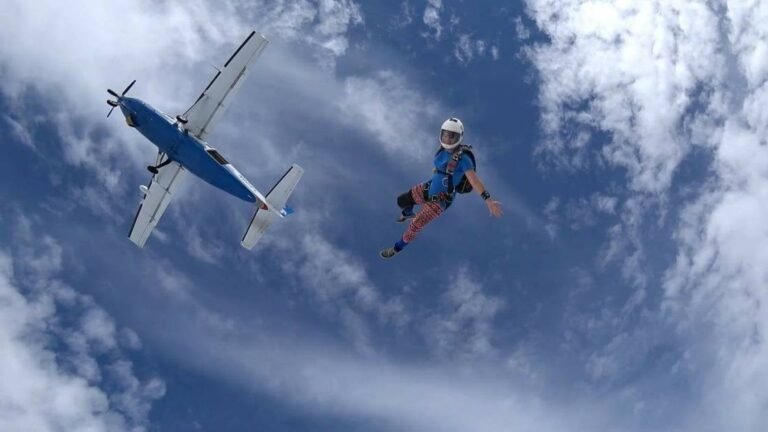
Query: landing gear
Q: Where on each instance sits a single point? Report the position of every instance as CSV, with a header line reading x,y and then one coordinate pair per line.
x,y
181,123
154,168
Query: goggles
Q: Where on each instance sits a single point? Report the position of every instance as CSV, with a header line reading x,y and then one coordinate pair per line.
x,y
449,137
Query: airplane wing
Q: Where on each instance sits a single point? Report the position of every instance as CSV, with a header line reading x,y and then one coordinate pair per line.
x,y
201,117
158,195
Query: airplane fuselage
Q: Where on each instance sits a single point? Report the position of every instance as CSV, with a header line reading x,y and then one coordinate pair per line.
x,y
193,154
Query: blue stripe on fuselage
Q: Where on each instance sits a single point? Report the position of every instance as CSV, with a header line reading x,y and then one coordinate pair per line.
x,y
182,147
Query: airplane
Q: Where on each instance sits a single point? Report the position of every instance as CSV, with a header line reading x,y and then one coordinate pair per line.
x,y
182,148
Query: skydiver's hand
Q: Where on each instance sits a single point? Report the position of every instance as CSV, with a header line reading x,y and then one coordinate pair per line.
x,y
494,207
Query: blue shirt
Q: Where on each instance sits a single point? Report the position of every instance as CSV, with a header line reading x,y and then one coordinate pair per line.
x,y
440,180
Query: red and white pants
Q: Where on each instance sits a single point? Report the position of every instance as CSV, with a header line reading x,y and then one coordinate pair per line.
x,y
429,211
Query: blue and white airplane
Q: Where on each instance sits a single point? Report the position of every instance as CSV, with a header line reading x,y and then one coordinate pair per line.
x,y
182,148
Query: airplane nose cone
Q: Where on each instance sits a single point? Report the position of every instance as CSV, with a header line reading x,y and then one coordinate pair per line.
x,y
127,106
129,114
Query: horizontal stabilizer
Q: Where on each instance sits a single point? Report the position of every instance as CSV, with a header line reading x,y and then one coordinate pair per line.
x,y
277,197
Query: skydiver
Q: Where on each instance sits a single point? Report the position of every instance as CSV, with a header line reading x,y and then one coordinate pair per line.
x,y
454,172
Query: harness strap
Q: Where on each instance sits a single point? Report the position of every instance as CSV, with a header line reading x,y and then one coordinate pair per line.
x,y
446,197
440,197
451,167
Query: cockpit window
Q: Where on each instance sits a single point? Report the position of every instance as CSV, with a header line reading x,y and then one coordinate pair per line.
x,y
219,158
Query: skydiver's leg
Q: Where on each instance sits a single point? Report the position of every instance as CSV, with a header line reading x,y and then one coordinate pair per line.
x,y
429,212
408,200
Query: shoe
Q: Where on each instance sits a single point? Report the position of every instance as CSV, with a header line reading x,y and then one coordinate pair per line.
x,y
404,216
388,253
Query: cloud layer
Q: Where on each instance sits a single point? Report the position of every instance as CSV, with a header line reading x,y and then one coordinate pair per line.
x,y
647,86
55,343
643,88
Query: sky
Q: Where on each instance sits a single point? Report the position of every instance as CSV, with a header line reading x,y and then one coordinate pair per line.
x,y
622,290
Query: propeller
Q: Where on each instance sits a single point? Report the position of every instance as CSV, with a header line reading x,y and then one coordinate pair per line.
x,y
112,103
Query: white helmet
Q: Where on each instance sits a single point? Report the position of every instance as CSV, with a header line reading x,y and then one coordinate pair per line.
x,y
451,133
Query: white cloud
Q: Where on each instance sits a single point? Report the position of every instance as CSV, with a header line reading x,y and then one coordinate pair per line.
x,y
308,373
169,43
521,30
47,390
337,272
579,213
170,56
135,397
432,17
96,197
398,116
98,328
719,277
322,24
405,17
340,283
401,396
356,330
20,131
297,367
662,56
465,325
47,262
205,248
466,49
129,339
551,226
422,398
335,18
662,78
604,203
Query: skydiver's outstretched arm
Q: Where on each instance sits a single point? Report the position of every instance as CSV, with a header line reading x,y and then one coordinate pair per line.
x,y
493,206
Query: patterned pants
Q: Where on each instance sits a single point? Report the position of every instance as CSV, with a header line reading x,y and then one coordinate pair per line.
x,y
429,211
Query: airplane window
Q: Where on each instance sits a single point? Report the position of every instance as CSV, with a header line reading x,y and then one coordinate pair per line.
x,y
219,158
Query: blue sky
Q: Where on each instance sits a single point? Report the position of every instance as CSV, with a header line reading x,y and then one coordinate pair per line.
x,y
623,289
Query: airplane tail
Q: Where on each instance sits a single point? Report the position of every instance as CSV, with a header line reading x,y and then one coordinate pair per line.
x,y
276,199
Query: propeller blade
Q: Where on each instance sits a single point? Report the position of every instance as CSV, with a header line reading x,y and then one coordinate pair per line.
x,y
128,88
113,104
